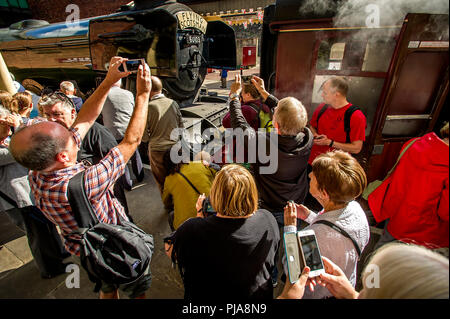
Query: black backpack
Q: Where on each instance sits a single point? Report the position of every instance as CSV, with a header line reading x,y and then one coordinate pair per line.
x,y
115,254
347,117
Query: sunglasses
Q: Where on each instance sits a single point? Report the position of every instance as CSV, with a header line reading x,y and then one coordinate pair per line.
x,y
62,97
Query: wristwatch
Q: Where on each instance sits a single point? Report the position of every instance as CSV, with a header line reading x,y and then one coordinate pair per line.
x,y
234,96
331,144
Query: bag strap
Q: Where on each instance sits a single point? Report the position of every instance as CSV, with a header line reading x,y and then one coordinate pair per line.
x,y
81,206
400,156
257,110
322,110
342,232
8,199
347,117
187,180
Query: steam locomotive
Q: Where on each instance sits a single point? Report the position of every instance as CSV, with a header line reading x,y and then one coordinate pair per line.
x,y
178,44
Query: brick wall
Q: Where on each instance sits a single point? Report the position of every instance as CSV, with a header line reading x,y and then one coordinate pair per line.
x,y
55,11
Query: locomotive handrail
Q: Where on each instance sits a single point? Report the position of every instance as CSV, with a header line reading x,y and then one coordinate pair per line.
x,y
409,117
339,28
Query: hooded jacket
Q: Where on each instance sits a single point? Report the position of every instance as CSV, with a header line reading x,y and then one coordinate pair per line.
x,y
289,180
415,197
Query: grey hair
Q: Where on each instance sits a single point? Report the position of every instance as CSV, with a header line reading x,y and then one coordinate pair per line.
x,y
291,116
407,272
67,86
48,100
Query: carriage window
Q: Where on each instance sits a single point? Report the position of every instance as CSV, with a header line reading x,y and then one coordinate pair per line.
x,y
330,55
378,55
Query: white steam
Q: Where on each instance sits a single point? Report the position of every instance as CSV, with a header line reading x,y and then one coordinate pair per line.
x,y
354,12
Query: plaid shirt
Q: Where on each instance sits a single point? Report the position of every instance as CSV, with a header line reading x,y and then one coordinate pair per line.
x,y
50,192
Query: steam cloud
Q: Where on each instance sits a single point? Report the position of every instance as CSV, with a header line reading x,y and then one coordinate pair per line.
x,y
392,12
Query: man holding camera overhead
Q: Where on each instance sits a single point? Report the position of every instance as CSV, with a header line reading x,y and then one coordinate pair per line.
x,y
50,150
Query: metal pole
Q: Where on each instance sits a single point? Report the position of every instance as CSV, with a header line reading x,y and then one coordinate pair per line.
x,y
6,83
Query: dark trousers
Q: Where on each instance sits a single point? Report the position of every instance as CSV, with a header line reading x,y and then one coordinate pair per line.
x,y
43,238
158,167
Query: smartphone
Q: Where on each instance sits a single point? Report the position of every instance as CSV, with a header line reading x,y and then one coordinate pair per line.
x,y
310,252
133,65
293,259
246,78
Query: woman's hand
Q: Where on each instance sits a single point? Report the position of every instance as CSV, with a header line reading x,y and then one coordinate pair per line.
x,y
335,281
290,214
302,211
296,290
199,205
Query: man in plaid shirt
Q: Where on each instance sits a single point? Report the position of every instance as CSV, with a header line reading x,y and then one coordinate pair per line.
x,y
50,150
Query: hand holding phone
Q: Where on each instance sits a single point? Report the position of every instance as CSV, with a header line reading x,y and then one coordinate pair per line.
x,y
302,250
292,256
133,65
310,252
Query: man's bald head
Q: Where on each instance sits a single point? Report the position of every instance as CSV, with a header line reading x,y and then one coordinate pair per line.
x,y
156,86
291,116
35,147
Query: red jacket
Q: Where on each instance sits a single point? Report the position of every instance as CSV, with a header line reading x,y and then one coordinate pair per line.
x,y
417,197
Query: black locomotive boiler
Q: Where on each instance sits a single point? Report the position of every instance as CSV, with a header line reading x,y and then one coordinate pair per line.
x,y
177,43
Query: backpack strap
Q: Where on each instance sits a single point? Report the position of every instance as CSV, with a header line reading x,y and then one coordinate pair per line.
x,y
322,110
257,110
8,199
342,232
82,210
192,185
347,117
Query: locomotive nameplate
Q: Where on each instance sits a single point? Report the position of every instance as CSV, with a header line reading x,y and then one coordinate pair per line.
x,y
190,19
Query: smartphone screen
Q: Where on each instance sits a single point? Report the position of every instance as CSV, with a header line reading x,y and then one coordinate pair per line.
x,y
311,252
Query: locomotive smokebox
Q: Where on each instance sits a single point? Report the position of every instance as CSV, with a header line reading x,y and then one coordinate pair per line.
x,y
177,43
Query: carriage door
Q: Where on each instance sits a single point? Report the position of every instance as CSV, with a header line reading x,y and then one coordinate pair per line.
x,y
415,94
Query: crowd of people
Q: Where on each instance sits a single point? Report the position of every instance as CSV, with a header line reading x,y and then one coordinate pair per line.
x,y
228,220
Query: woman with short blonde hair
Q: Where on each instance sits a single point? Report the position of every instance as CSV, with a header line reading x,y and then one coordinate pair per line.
x,y
232,252
234,192
341,227
340,175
